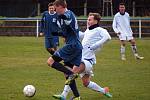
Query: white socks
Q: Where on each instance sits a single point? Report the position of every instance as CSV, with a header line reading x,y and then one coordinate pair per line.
x,y
95,87
66,90
122,50
92,85
134,49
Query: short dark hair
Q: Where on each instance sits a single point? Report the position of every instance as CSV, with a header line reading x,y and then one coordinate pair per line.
x,y
60,3
122,3
50,4
96,16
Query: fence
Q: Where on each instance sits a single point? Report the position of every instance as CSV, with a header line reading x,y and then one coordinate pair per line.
x,y
30,26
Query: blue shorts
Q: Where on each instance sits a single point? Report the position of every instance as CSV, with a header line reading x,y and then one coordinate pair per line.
x,y
70,53
51,42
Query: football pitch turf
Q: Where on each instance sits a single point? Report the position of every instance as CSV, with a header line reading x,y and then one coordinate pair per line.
x,y
23,61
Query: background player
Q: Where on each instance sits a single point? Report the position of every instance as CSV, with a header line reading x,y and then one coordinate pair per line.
x,y
121,26
49,25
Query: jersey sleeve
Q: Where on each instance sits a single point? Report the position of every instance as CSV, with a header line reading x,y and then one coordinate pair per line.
x,y
81,35
68,18
104,38
42,23
114,25
129,24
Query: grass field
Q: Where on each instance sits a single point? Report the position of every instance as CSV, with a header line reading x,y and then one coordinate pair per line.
x,y
23,61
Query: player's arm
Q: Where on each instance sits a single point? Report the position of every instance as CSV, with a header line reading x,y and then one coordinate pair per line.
x,y
81,35
67,17
42,24
129,24
105,37
114,25
58,33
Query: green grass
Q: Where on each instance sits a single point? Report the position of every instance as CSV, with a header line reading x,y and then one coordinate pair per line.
x,y
23,61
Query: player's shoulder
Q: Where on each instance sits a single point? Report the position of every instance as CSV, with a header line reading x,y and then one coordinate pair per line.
x,y
117,14
127,14
103,32
69,12
45,12
100,29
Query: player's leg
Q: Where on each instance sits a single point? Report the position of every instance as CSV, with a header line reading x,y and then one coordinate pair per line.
x,y
79,69
67,89
49,45
122,49
134,49
94,86
51,50
68,54
74,89
54,62
56,42
76,70
72,85
91,85
86,76
64,94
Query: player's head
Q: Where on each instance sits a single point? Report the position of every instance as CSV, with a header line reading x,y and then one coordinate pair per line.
x,y
93,18
122,8
51,8
60,6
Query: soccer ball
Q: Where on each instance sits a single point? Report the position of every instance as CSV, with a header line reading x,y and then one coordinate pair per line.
x,y
29,90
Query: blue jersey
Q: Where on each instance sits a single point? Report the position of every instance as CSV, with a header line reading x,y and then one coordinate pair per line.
x,y
49,24
70,29
72,51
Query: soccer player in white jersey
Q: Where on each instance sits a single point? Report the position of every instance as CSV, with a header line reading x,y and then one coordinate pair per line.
x,y
93,39
121,26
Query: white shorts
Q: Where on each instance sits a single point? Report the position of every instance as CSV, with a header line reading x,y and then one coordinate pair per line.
x,y
88,68
122,37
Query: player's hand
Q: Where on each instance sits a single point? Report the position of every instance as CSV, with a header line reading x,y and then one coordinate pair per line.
x,y
41,34
53,49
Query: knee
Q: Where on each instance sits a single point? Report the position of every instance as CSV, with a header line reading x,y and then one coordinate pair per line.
x,y
51,51
133,43
123,44
50,61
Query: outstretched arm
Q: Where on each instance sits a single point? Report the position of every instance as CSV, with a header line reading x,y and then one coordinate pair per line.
x,y
105,37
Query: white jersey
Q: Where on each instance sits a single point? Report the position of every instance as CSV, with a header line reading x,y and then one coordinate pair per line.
x,y
93,39
121,24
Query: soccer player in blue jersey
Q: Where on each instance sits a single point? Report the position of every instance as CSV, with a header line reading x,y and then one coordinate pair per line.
x,y
49,25
71,52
